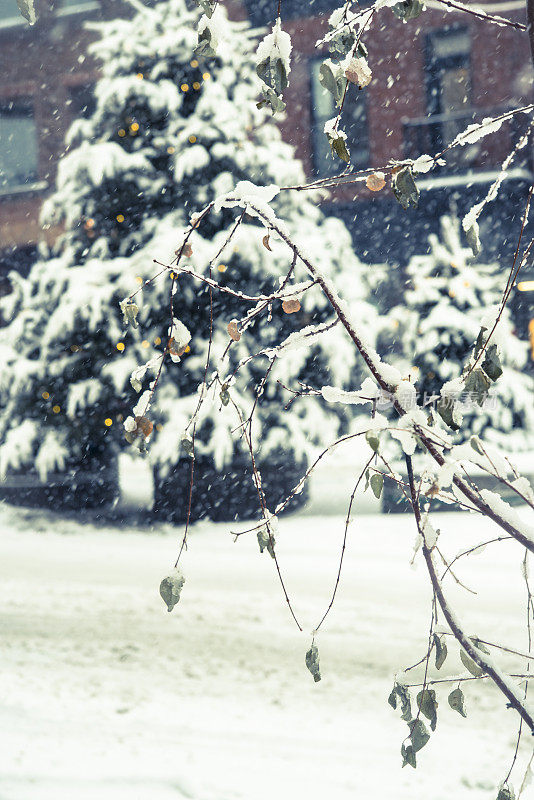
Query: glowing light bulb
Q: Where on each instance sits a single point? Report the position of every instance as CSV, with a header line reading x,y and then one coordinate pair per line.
x,y
120,217
56,409
192,138
45,395
108,422
120,346
184,87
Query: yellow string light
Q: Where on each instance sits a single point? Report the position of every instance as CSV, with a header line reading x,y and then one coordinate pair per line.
x,y
120,346
206,76
56,409
139,279
89,223
196,86
144,343
122,132
192,138
45,395
184,87
157,341
170,150
108,422
187,349
140,76
134,127
120,217
194,63
222,267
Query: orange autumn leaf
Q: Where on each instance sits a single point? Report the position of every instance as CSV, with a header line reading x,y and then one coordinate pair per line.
x,y
233,331
376,181
186,250
265,241
359,72
144,425
291,306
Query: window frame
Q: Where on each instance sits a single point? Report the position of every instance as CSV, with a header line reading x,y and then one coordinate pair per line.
x,y
15,21
317,126
32,182
434,65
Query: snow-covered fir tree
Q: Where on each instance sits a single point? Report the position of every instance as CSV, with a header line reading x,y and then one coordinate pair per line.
x,y
171,130
449,298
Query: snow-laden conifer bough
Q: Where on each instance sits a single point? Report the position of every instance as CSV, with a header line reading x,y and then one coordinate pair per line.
x,y
170,132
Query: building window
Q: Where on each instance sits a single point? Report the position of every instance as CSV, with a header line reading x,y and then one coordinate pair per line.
x,y
448,71
353,122
9,12
18,145
448,84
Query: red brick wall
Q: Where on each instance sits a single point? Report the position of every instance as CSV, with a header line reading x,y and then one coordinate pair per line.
x,y
42,63
397,51
51,65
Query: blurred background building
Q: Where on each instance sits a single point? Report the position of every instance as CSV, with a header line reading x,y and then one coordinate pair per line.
x,y
429,82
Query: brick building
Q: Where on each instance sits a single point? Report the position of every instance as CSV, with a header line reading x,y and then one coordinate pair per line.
x,y
431,78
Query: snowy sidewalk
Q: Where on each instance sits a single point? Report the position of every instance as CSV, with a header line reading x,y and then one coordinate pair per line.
x,y
106,696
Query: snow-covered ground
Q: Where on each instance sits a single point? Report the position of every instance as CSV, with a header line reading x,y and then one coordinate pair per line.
x,y
106,696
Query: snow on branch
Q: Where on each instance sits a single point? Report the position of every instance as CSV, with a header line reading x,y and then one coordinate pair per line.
x,y
273,66
478,130
470,220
